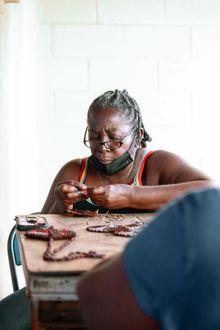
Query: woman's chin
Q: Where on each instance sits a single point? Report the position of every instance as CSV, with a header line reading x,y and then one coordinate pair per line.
x,y
104,162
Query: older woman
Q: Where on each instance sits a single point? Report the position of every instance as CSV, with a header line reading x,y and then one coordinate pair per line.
x,y
121,175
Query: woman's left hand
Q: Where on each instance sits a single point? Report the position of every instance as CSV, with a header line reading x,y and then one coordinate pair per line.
x,y
114,196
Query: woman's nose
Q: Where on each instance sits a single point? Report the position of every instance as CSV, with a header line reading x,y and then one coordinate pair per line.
x,y
102,146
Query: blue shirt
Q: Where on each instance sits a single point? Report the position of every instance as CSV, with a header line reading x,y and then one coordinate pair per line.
x,y
173,265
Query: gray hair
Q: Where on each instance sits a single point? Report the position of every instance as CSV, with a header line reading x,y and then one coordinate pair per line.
x,y
123,102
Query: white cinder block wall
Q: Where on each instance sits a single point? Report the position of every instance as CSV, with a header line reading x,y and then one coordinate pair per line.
x,y
164,52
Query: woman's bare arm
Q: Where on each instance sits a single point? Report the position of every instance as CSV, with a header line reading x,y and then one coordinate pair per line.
x,y
107,301
167,177
164,168
69,171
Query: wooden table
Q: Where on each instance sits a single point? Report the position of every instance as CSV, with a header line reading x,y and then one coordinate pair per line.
x,y
51,286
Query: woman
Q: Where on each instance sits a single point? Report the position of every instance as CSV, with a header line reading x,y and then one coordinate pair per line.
x,y
121,175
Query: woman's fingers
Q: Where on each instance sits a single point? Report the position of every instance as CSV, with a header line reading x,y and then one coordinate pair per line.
x,y
92,191
70,192
71,185
98,194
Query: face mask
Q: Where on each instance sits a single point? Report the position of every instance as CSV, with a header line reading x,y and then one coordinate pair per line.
x,y
114,167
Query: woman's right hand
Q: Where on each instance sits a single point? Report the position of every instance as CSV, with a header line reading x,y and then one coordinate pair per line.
x,y
68,193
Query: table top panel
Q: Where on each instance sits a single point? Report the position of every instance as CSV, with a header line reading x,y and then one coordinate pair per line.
x,y
104,243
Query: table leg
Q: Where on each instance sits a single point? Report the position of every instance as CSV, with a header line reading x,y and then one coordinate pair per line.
x,y
60,315
34,317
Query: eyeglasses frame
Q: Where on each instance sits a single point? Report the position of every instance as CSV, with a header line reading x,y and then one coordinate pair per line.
x,y
103,143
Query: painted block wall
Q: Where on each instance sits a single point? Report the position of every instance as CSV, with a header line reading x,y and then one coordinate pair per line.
x,y
164,52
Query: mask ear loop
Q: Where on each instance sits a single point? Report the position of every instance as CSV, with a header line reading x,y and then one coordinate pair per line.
x,y
85,135
133,147
139,137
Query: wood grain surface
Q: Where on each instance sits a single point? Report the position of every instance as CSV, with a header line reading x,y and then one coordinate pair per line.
x,y
105,243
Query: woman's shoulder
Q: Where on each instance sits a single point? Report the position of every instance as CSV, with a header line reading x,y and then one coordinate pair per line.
x,y
150,155
161,154
162,160
73,162
71,168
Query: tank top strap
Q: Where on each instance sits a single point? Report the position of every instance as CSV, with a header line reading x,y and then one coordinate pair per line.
x,y
83,170
137,181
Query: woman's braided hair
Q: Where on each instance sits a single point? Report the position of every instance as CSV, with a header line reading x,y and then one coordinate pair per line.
x,y
122,101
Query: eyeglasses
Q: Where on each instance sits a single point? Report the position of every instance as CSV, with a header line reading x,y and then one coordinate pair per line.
x,y
111,144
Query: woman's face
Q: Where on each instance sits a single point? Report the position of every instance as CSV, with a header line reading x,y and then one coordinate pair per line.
x,y
105,125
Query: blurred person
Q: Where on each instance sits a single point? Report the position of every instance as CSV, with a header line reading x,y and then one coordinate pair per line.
x,y
168,276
